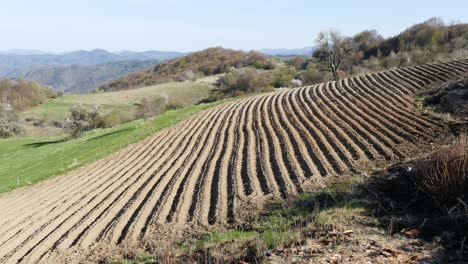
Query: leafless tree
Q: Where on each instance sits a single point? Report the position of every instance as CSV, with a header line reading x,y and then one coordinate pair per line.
x,y
332,50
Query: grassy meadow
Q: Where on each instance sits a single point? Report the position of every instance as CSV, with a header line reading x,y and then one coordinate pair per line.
x,y
180,93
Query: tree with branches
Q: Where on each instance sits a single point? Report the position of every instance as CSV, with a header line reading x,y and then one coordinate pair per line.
x,y
332,50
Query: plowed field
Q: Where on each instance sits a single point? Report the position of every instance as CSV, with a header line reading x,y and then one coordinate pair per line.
x,y
201,171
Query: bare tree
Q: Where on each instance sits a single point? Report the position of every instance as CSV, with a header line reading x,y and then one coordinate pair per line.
x,y
332,49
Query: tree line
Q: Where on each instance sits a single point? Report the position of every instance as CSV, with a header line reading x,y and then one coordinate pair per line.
x,y
368,51
337,56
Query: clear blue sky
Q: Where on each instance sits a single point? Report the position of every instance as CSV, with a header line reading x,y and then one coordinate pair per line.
x,y
64,25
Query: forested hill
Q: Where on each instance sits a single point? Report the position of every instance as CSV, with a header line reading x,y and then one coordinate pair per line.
x,y
198,64
432,36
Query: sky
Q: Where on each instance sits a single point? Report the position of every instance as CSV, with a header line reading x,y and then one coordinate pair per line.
x,y
172,25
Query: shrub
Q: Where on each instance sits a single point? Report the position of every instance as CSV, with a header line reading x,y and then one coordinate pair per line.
x,y
8,122
241,81
82,119
23,94
265,65
173,106
282,77
149,108
298,62
112,119
296,83
313,76
444,176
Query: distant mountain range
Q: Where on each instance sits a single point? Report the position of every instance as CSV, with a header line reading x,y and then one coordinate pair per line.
x,y
80,78
77,71
11,61
306,51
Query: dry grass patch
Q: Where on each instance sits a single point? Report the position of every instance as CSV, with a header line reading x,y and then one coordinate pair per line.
x,y
444,174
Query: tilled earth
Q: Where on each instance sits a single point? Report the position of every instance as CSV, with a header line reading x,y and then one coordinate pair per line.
x,y
207,169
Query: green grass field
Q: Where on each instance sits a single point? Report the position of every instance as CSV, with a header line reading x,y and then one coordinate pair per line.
x,y
181,93
29,160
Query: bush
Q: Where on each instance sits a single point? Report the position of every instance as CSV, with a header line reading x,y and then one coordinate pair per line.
x,y
313,76
298,62
150,108
265,65
296,83
113,119
8,122
173,106
282,77
241,81
444,176
82,119
23,94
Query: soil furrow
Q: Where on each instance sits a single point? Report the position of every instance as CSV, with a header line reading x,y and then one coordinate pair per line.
x,y
97,230
358,125
367,117
271,163
293,157
387,108
148,217
329,119
303,127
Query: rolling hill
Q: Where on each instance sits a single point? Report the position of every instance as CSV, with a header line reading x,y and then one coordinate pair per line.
x,y
209,169
198,64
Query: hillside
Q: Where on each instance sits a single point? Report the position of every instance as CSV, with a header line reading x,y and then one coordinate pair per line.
x,y
432,36
80,78
198,64
56,111
214,168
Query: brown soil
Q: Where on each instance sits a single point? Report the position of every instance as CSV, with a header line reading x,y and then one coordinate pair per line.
x,y
449,97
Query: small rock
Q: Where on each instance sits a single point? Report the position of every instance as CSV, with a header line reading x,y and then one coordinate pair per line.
x,y
348,232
